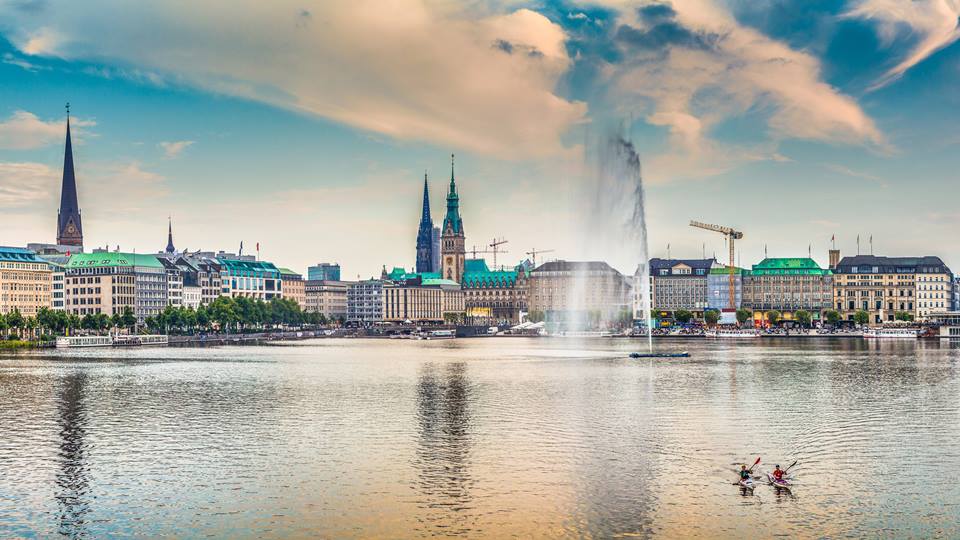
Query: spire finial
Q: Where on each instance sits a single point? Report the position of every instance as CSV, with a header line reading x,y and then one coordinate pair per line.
x,y
68,111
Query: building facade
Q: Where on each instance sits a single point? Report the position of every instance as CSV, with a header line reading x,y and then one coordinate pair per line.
x,y
718,287
365,301
431,300
324,272
885,286
493,296
107,282
787,285
328,298
569,292
680,284
425,233
174,282
26,282
293,287
250,278
452,242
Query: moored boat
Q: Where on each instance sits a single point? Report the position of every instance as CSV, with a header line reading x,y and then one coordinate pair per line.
x,y
890,333
737,333
84,341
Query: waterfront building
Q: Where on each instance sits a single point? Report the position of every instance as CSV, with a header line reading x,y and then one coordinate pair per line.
x,y
568,291
884,286
201,273
326,297
57,300
174,291
680,284
494,296
26,282
69,226
787,285
425,233
430,300
718,287
365,301
107,282
249,278
192,296
324,272
435,250
452,248
293,287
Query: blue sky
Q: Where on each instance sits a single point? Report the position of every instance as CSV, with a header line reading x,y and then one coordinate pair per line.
x,y
307,126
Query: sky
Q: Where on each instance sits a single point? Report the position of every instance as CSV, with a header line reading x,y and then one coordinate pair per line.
x,y
307,127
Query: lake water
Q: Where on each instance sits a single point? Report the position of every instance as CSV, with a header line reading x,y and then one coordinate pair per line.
x,y
480,438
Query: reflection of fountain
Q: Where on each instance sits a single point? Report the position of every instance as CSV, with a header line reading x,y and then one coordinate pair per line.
x,y
72,483
443,453
616,227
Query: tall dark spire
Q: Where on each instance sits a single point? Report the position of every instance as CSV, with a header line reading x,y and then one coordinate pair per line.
x,y
425,233
69,228
170,248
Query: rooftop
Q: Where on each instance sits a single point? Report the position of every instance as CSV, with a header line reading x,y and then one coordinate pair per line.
x,y
113,259
927,263
15,254
657,263
233,265
801,266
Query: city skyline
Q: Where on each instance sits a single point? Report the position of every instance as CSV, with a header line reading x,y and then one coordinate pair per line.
x,y
841,143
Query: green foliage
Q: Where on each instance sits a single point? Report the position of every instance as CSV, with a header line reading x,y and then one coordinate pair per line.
x,y
832,316
861,317
711,317
683,316
744,315
803,317
773,316
903,316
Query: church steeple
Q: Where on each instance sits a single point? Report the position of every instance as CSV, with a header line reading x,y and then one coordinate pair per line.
x,y
425,233
452,221
69,227
170,248
452,248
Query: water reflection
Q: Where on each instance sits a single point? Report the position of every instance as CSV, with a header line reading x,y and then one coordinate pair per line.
x,y
443,451
72,482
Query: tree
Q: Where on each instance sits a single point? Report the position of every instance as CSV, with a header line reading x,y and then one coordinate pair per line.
x,y
128,319
803,317
683,316
15,320
3,324
711,317
903,316
88,322
773,316
861,317
744,315
832,316
31,324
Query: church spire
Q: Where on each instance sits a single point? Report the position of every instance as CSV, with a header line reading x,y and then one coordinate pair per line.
x,y
69,228
170,248
452,220
425,233
453,182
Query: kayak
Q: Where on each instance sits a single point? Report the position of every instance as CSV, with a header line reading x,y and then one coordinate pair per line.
x,y
783,483
747,483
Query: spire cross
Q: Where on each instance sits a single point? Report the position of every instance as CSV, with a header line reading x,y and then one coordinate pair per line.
x,y
68,109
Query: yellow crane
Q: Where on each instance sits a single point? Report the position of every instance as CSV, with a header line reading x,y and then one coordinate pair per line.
x,y
731,235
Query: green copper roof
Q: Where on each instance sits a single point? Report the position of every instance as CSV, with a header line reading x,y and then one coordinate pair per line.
x,y
112,259
475,265
248,268
725,271
400,274
13,254
452,220
789,266
438,281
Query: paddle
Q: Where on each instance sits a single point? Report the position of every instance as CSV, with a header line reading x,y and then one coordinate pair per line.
x,y
791,466
750,470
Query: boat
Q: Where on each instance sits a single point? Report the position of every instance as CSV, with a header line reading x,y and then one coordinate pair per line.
x,y
683,354
584,334
122,340
747,484
84,341
890,333
441,334
738,333
125,340
783,483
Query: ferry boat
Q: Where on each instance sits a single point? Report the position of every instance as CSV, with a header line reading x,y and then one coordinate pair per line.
x,y
146,339
111,341
890,333
440,334
84,341
584,334
733,333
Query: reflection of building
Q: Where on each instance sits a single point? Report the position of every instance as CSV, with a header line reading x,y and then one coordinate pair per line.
x,y
250,278
293,287
425,233
787,285
493,296
365,301
564,289
718,287
680,284
107,282
69,227
72,481
883,286
452,240
26,282
324,272
328,298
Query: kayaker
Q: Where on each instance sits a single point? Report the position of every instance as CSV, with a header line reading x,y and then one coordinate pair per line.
x,y
777,473
744,473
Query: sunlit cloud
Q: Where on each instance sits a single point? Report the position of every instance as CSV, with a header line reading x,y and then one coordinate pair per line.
x,y
172,149
25,131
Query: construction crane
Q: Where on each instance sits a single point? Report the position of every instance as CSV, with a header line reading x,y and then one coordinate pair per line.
x,y
496,248
731,235
474,251
533,253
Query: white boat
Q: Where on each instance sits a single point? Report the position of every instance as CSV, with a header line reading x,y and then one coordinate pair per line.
x,y
123,340
890,333
84,341
441,334
584,334
738,333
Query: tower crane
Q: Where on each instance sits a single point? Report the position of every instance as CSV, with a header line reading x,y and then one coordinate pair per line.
x,y
730,235
496,248
533,253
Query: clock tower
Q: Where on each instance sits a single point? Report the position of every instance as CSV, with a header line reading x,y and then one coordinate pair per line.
x,y
452,250
69,227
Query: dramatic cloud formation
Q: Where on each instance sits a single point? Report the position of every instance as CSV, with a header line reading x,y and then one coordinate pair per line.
x,y
24,131
692,66
935,24
411,69
172,149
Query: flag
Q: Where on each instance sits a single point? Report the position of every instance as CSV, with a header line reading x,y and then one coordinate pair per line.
x,y
258,246
833,238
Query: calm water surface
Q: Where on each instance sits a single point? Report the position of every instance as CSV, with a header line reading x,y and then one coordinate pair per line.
x,y
480,438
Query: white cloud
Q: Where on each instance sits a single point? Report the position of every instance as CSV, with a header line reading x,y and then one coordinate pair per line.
x,y
25,131
9,58
24,184
172,149
936,24
411,69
